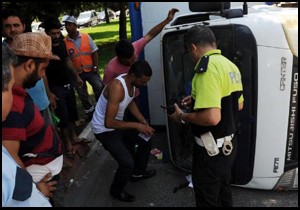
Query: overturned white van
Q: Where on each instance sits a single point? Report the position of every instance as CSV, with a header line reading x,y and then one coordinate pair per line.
x,y
263,41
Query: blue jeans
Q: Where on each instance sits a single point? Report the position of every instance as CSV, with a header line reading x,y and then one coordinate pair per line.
x,y
131,160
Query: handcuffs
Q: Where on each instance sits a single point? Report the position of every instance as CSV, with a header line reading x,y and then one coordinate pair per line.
x,y
227,146
207,140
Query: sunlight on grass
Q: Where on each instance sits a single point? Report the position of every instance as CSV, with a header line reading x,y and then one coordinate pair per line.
x,y
106,33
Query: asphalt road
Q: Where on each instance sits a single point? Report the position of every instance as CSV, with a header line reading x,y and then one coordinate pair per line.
x,y
91,183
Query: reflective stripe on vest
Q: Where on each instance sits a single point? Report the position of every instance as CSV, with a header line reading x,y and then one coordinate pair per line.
x,y
82,59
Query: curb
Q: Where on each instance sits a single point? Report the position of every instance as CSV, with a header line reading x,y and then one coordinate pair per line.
x,y
69,172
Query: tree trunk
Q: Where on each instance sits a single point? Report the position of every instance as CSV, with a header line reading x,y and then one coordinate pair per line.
x,y
106,13
122,21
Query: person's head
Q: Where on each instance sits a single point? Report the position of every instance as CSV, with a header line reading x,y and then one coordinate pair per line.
x,y
71,25
52,28
125,52
199,39
8,79
12,24
140,73
34,52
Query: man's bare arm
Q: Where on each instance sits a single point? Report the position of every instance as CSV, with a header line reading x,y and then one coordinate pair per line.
x,y
115,94
158,28
74,72
136,112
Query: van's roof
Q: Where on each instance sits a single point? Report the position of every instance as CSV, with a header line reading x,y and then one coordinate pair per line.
x,y
267,17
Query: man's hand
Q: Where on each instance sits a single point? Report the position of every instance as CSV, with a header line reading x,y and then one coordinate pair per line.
x,y
171,14
176,116
45,186
79,81
95,69
144,122
146,129
52,99
186,101
158,28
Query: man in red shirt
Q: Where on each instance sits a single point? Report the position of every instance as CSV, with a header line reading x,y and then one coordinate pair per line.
x,y
30,140
128,53
18,189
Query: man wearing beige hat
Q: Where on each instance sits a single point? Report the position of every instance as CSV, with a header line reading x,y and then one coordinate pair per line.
x,y
30,140
18,190
13,23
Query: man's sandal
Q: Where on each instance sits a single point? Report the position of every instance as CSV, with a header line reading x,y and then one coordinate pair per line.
x,y
71,154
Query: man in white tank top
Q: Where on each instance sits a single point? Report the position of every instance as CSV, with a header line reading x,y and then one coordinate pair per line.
x,y
116,135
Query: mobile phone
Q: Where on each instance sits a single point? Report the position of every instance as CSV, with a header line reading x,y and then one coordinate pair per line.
x,y
170,109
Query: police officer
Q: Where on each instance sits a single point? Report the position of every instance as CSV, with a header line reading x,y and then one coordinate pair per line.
x,y
215,100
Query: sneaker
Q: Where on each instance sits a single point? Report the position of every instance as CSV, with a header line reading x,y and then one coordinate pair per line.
x,y
123,196
146,175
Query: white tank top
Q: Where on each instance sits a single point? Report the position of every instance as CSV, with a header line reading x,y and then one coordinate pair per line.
x,y
100,110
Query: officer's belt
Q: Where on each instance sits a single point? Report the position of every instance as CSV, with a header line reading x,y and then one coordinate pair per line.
x,y
219,141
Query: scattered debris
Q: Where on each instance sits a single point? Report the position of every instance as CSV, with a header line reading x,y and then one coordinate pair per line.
x,y
157,153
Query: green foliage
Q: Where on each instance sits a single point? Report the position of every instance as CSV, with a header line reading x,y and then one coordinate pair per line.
x,y
42,10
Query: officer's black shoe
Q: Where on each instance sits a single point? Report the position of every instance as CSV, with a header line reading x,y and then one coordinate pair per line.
x,y
146,175
123,196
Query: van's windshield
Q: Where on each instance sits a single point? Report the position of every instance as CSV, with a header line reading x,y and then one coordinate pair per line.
x,y
84,15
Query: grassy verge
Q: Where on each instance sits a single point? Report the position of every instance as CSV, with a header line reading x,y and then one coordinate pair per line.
x,y
106,33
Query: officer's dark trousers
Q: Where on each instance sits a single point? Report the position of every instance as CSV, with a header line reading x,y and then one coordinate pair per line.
x,y
121,145
211,177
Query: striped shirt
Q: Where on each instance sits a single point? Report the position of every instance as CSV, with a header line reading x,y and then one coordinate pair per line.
x,y
25,124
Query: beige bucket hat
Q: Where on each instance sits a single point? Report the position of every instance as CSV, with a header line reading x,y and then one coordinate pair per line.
x,y
33,44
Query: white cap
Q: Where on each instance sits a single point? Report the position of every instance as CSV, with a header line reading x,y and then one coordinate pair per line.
x,y
71,19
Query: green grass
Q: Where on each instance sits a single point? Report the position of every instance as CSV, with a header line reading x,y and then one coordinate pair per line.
x,y
106,33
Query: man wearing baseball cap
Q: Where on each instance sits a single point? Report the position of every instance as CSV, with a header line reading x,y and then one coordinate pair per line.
x,y
71,19
83,52
30,140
